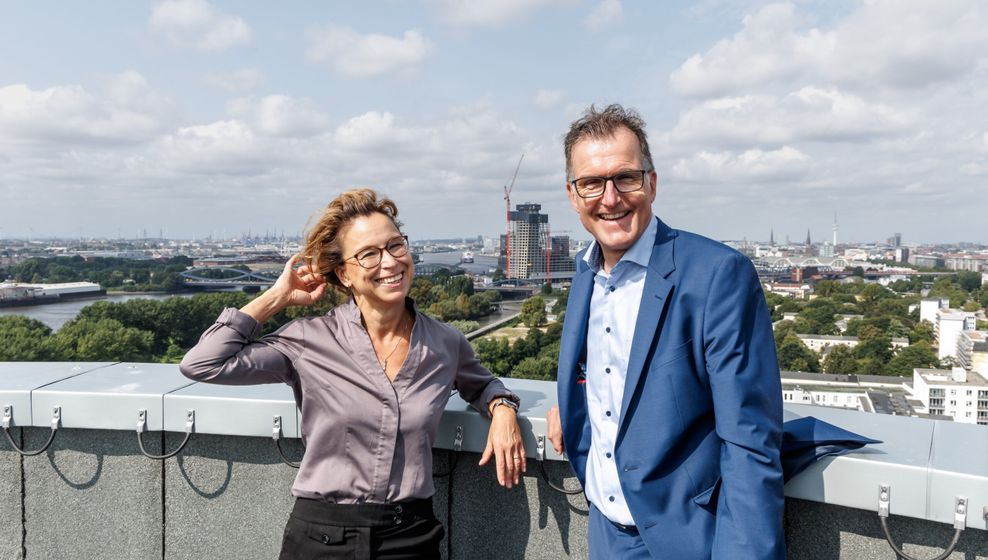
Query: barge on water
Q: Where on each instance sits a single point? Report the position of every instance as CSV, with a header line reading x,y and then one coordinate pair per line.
x,y
14,294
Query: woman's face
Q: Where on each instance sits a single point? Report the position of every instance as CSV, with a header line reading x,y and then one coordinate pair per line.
x,y
387,282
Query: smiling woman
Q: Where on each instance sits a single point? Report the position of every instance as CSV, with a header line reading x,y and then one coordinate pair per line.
x,y
371,377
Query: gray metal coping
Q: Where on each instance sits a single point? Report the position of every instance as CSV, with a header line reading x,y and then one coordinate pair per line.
x,y
233,410
926,463
537,397
109,398
19,379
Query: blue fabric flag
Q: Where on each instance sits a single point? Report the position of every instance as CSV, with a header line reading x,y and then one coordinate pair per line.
x,y
806,440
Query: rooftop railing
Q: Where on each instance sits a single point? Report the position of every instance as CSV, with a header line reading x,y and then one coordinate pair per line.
x,y
94,481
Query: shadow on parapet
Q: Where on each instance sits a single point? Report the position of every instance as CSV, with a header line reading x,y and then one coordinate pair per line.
x,y
91,496
816,531
528,521
227,497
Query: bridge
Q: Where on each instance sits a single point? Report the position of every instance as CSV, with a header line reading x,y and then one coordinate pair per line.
x,y
205,278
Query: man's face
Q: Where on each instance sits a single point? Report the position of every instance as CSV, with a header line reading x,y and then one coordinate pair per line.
x,y
616,220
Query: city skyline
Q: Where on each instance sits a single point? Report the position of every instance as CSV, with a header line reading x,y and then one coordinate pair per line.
x,y
198,117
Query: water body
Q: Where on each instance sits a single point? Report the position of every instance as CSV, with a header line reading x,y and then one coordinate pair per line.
x,y
57,314
482,264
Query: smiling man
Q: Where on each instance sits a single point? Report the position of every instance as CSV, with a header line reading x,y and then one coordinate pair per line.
x,y
670,406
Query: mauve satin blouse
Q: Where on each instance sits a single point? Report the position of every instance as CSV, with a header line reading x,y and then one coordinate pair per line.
x,y
367,439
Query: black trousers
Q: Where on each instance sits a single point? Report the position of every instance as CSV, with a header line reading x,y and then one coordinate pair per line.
x,y
399,531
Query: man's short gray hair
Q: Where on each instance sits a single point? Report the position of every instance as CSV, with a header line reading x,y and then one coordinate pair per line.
x,y
604,123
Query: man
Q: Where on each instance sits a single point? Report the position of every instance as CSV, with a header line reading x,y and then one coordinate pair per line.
x,y
670,405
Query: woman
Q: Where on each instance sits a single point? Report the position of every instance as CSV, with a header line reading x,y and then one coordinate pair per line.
x,y
371,378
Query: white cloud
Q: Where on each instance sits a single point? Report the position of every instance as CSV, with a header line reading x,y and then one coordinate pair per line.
x,y
237,81
362,56
783,164
223,147
927,44
487,13
280,115
129,111
197,24
605,16
548,98
810,114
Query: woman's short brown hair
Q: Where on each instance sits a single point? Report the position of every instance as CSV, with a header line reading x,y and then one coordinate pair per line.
x,y
323,248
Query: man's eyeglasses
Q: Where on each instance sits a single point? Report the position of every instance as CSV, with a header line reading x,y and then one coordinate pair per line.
x,y
370,257
624,182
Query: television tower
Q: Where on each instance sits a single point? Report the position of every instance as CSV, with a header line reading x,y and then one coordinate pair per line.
x,y
835,230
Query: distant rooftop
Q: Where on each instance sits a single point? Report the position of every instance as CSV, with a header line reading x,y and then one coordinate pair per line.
x,y
943,377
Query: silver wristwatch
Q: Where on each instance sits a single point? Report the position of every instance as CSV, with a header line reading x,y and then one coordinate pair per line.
x,y
506,402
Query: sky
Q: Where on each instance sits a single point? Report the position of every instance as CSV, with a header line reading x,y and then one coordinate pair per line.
x,y
204,118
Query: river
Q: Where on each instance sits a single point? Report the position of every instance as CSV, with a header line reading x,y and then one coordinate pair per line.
x,y
57,314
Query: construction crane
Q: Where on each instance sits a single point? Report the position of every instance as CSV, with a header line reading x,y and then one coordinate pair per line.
x,y
507,217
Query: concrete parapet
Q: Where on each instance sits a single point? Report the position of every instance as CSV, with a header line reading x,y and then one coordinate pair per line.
x,y
816,531
91,495
226,497
11,527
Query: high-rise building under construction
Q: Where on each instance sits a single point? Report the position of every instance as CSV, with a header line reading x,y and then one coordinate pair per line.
x,y
535,254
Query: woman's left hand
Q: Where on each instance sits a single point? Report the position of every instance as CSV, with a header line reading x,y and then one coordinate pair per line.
x,y
504,443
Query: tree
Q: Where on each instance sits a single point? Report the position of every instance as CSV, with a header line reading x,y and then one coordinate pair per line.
x,y
840,359
533,311
877,347
795,356
969,281
494,354
538,367
870,295
23,339
562,299
546,289
945,287
819,317
783,330
101,340
919,355
457,285
465,326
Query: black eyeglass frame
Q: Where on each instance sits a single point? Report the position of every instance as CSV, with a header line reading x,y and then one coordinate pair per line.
x,y
380,252
611,179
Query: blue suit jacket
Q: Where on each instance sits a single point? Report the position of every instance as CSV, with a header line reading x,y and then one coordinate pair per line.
x,y
698,442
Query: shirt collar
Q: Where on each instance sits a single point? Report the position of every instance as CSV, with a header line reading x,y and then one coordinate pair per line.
x,y
351,312
640,253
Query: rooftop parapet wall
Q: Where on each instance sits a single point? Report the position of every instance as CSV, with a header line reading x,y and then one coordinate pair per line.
x,y
226,493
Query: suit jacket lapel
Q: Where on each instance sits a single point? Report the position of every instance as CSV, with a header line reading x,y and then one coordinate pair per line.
x,y
655,297
574,336
572,397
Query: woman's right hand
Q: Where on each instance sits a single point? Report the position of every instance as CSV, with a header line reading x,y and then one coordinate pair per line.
x,y
296,286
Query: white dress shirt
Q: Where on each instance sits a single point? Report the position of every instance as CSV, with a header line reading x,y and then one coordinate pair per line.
x,y
613,310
